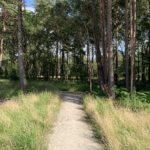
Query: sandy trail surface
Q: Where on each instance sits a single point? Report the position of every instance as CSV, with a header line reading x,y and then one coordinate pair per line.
x,y
72,130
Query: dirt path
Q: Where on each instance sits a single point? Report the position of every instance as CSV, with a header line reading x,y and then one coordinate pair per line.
x,y
72,131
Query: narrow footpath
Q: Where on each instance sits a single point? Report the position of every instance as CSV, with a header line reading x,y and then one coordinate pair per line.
x,y
72,130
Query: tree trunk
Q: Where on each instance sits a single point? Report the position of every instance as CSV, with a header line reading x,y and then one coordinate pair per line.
x,y
133,43
127,43
149,59
143,65
116,60
3,10
57,59
149,51
110,51
1,51
138,65
97,47
88,52
116,51
63,65
89,65
103,37
22,75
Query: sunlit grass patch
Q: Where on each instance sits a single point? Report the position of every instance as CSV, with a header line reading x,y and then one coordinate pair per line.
x,y
120,128
25,121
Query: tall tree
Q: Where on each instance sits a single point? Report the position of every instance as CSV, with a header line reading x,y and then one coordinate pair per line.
x,y
97,45
132,43
110,50
22,74
127,42
4,19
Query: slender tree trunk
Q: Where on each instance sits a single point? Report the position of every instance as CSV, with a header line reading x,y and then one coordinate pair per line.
x,y
116,58
131,47
117,43
89,65
103,37
1,51
110,51
57,59
22,75
62,65
97,47
88,52
116,64
143,64
92,65
90,76
133,43
138,64
92,54
149,51
3,10
67,66
127,43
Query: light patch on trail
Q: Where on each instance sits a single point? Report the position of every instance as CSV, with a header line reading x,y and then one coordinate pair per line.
x,y
72,131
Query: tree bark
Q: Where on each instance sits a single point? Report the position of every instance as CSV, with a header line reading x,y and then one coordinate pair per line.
x,y
57,59
3,10
22,75
143,64
89,65
138,65
103,37
110,51
1,51
149,50
97,47
63,65
133,43
127,43
116,59
149,59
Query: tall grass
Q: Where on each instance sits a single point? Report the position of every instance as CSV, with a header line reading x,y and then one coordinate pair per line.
x,y
120,128
25,120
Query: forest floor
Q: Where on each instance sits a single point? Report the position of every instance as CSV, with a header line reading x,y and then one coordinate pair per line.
x,y
72,130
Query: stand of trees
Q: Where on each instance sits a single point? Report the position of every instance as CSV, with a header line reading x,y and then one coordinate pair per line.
x,y
103,41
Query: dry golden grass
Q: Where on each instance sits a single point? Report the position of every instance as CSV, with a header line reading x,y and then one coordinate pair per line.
x,y
121,128
24,122
12,105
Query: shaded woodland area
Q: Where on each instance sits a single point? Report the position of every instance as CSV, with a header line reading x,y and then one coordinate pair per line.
x,y
97,42
98,48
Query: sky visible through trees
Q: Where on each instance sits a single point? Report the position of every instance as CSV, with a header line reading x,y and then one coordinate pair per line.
x,y
29,3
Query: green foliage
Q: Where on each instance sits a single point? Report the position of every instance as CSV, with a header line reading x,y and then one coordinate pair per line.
x,y
139,101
